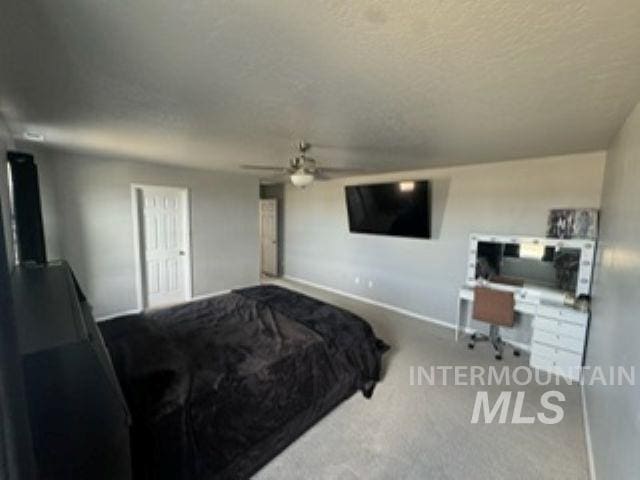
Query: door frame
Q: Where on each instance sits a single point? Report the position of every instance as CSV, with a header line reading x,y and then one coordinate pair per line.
x,y
138,247
277,229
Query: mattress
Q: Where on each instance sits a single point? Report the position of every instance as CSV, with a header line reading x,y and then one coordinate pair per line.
x,y
218,387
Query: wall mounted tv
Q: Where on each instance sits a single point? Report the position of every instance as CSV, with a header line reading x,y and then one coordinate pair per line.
x,y
401,209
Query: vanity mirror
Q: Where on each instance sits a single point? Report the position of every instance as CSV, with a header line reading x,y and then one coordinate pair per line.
x,y
562,265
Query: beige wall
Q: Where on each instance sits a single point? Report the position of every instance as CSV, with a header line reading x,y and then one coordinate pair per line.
x,y
423,276
614,332
88,221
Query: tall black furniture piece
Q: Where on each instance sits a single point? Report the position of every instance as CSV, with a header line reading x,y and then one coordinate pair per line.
x,y
16,455
26,208
79,418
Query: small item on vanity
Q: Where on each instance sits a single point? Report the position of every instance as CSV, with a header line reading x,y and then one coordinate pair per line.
x,y
569,300
582,303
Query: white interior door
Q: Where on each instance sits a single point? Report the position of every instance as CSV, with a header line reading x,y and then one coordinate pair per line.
x,y
164,245
269,236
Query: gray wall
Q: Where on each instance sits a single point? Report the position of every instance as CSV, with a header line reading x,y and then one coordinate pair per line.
x,y
423,276
88,221
5,144
614,412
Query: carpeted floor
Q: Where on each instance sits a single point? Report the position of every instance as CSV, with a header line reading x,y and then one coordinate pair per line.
x,y
425,432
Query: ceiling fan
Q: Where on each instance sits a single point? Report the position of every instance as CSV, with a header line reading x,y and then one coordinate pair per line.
x,y
302,169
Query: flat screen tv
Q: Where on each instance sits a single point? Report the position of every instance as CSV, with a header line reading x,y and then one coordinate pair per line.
x,y
401,209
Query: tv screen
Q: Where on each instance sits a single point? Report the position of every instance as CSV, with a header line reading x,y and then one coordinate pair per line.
x,y
400,209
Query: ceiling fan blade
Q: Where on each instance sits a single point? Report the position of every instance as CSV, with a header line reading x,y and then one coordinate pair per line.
x,y
263,167
333,173
274,179
320,175
341,170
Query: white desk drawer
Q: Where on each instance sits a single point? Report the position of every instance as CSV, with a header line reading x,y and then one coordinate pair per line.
x,y
559,341
556,354
560,327
563,313
563,368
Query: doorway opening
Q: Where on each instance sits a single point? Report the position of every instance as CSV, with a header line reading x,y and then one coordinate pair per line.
x,y
271,239
162,239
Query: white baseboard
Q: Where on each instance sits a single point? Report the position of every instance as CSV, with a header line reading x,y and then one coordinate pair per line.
x,y
521,346
133,311
110,316
587,435
210,295
370,301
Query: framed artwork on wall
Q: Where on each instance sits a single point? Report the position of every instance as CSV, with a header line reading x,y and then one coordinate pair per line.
x,y
573,223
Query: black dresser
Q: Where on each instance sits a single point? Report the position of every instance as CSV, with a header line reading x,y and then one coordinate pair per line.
x,y
78,415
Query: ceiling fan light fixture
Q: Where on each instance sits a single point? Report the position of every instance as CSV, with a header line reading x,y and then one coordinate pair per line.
x,y
301,178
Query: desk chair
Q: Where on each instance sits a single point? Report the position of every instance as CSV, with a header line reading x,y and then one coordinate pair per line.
x,y
496,308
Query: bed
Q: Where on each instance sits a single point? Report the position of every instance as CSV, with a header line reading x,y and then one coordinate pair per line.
x,y
218,387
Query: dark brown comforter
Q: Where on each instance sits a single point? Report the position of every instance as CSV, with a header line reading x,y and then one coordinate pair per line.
x,y
218,387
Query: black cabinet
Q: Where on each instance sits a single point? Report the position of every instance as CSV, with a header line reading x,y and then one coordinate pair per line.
x,y
79,419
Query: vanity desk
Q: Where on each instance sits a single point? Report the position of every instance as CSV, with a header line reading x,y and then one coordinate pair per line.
x,y
553,273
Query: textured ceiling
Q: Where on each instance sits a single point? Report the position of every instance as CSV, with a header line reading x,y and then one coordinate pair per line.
x,y
378,84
